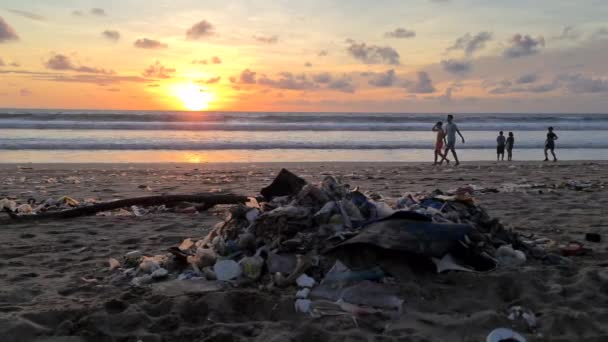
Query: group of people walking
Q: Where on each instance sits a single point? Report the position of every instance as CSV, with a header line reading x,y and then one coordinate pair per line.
x,y
446,141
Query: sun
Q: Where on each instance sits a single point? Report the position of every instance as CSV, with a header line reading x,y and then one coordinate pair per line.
x,y
193,97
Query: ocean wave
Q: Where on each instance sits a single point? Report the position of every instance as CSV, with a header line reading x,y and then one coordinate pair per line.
x,y
281,117
243,145
577,125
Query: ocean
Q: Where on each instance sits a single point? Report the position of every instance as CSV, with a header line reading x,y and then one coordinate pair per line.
x,y
76,136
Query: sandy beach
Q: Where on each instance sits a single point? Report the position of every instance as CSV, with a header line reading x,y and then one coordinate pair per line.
x,y
55,284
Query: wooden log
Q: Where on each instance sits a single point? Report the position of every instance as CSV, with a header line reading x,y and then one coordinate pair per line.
x,y
209,199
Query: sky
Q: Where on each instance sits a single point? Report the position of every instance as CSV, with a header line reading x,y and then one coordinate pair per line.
x,y
315,55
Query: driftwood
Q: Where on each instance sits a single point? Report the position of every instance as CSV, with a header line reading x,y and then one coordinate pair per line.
x,y
208,199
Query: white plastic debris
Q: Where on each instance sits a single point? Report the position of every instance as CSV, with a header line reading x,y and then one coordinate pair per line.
x,y
137,211
227,270
25,209
8,204
302,305
447,263
305,281
143,280
159,273
383,210
507,256
303,293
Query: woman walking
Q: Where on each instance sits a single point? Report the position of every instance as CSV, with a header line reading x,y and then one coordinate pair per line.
x,y
439,143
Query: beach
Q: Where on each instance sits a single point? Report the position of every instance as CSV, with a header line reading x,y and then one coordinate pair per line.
x,y
55,281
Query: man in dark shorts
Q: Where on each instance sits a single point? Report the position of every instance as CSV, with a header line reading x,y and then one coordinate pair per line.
x,y
500,146
550,144
451,129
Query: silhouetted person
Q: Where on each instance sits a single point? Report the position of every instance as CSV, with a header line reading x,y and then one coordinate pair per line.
x,y
451,129
500,146
550,144
439,143
510,143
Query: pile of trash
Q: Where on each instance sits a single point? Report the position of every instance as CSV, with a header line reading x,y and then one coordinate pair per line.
x,y
320,239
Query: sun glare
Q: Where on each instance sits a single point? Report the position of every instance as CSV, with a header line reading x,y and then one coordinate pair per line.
x,y
193,97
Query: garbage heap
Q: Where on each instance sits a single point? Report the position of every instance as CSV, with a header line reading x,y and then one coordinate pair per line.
x,y
310,236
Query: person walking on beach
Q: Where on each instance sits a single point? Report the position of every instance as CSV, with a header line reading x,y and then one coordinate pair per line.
x,y
510,143
500,146
439,143
451,129
550,144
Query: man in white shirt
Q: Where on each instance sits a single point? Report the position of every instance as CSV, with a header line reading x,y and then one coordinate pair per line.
x,y
451,130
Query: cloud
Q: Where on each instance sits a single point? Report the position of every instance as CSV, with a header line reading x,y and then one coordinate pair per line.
x,y
470,44
385,79
308,65
373,54
287,81
400,33
456,67
600,33
580,84
100,79
506,86
28,15
7,33
145,43
111,35
322,53
446,97
13,64
322,78
88,78
154,85
200,30
212,80
266,39
63,62
98,12
113,90
524,45
214,60
527,78
157,70
247,76
77,13
423,85
568,33
343,84
25,92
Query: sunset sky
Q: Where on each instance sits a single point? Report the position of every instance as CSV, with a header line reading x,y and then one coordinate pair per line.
x,y
285,55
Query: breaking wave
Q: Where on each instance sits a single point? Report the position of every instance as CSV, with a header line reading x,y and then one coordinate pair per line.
x,y
230,121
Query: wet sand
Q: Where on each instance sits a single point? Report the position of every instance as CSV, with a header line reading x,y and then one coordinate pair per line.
x,y
54,277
